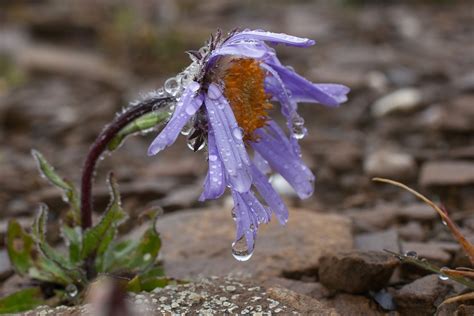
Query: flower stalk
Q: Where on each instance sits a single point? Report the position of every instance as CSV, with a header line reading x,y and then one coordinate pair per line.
x,y
96,151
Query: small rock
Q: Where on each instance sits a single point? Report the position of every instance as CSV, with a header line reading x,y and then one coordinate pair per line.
x,y
412,231
344,156
447,173
422,296
378,241
303,303
5,266
356,271
377,218
390,164
402,100
311,289
417,212
347,304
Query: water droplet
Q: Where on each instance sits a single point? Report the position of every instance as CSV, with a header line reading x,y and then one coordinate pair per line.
x,y
443,277
172,86
147,257
188,128
238,133
240,250
444,223
190,109
298,129
71,290
411,254
212,157
191,144
233,214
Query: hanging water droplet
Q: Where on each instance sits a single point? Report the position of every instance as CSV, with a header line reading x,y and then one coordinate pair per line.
x,y
187,128
192,144
212,157
240,250
238,133
444,223
71,291
443,277
172,86
411,254
233,214
298,129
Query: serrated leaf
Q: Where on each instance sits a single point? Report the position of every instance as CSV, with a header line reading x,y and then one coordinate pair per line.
x,y
21,301
143,124
69,191
55,264
20,248
97,237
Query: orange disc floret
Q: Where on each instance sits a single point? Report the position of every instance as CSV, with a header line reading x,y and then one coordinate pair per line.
x,y
244,88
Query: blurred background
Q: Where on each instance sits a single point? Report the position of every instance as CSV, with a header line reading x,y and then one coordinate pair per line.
x,y
66,68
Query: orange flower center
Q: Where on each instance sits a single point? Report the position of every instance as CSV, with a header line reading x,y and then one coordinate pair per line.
x,y
244,88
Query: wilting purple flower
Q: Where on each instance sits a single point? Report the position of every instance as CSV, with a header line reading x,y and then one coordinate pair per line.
x,y
224,98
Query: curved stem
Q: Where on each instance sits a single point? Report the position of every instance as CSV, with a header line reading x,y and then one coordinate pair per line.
x,y
100,145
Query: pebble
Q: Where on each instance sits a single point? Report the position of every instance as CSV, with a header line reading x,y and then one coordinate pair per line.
x,y
402,100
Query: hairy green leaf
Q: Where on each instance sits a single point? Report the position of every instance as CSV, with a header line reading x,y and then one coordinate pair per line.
x,y
21,301
98,237
143,124
20,248
69,191
73,239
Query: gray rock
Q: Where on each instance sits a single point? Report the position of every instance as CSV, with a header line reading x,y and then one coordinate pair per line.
x,y
402,100
356,271
378,241
390,163
412,231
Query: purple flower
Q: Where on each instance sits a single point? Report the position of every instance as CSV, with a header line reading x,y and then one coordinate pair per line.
x,y
223,100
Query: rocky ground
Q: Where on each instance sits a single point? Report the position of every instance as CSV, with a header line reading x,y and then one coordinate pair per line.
x,y
65,69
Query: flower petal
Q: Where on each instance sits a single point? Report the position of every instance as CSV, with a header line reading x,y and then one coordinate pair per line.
x,y
187,105
261,163
214,184
338,91
257,209
229,141
250,50
271,37
274,148
246,223
304,90
276,88
269,194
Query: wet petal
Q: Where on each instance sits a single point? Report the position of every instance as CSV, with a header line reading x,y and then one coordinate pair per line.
x,y
249,50
246,223
257,209
261,163
214,184
304,90
275,150
229,141
269,194
338,91
276,88
186,107
271,37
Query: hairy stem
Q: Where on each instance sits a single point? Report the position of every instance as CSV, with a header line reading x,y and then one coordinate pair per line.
x,y
100,145
96,150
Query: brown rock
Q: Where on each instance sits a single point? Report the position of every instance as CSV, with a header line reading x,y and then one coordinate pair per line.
x,y
389,163
302,303
378,241
374,219
417,211
446,173
354,305
412,231
311,289
422,296
204,237
356,271
344,156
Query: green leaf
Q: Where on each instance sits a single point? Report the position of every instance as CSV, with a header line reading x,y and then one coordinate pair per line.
x,y
148,283
55,264
21,301
20,248
69,191
143,124
73,238
98,237
135,255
